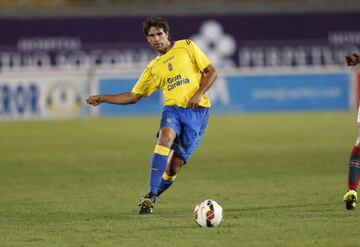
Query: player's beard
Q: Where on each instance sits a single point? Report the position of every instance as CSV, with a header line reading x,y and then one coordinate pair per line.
x,y
160,48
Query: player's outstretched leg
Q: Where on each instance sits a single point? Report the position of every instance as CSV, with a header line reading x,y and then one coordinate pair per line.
x,y
350,199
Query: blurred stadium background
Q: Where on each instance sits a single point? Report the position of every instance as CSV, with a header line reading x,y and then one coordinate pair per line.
x,y
273,55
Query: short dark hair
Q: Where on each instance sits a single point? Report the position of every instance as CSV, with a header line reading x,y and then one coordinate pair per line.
x,y
155,21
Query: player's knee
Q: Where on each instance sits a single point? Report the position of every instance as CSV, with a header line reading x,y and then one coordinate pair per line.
x,y
166,142
357,142
166,137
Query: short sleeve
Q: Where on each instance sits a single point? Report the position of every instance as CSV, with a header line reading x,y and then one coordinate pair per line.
x,y
146,85
200,58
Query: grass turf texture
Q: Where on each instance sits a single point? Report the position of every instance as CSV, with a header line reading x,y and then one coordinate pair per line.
x,y
279,177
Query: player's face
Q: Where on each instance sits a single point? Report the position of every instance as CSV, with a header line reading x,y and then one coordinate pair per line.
x,y
158,39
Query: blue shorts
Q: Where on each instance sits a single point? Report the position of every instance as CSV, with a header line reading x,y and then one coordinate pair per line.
x,y
189,125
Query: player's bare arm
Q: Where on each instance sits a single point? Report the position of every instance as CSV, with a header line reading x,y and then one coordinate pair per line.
x,y
208,78
119,99
352,59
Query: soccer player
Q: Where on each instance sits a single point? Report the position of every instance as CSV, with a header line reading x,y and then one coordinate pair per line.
x,y
354,162
184,73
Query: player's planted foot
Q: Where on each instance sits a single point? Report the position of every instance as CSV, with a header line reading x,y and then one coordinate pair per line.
x,y
146,204
350,199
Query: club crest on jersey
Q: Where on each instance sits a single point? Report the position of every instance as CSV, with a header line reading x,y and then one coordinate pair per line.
x,y
170,67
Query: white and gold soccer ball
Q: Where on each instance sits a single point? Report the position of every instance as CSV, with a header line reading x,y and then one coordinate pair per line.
x,y
208,213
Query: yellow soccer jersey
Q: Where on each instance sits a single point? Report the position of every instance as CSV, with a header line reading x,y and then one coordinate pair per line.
x,y
177,73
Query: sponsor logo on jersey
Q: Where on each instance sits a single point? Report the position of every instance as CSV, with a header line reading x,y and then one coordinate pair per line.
x,y
176,81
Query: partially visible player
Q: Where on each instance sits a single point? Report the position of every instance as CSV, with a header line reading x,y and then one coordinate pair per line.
x,y
354,162
184,73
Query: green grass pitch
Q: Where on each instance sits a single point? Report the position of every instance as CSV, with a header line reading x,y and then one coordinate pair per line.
x,y
279,177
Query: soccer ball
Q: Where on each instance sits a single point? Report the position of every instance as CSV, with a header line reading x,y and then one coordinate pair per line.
x,y
208,213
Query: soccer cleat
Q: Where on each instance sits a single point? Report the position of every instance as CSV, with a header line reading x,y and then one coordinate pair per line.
x,y
146,204
350,199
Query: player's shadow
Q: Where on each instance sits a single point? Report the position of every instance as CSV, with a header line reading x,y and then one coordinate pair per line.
x,y
191,225
315,206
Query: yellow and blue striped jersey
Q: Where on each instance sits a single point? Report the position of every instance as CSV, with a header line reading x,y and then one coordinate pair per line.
x,y
177,73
